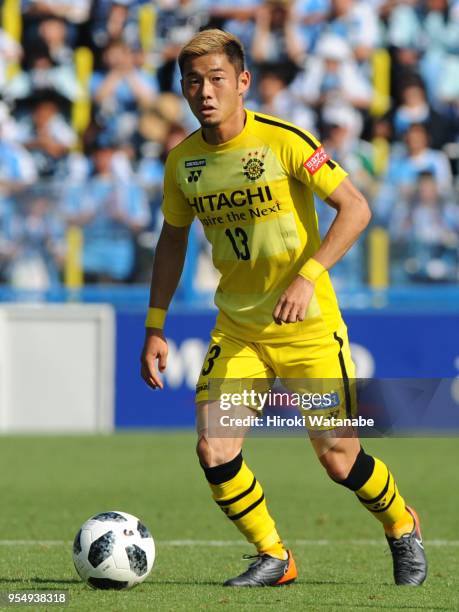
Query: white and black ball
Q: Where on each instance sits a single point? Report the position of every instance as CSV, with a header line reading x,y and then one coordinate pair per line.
x,y
113,550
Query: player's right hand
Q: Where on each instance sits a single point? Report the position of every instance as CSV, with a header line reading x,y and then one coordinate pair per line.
x,y
154,350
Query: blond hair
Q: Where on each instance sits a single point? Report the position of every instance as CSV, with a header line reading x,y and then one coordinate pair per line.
x,y
214,41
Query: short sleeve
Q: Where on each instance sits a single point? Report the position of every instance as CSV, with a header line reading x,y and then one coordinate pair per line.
x,y
175,207
307,160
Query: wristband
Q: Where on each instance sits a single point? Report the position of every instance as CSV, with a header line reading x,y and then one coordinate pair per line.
x,y
155,318
312,270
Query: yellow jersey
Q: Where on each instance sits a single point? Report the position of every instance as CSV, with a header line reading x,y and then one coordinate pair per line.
x,y
254,196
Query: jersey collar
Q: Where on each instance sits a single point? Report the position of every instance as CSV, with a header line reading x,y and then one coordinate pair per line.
x,y
234,142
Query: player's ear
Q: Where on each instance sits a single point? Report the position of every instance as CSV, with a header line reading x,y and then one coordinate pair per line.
x,y
244,81
182,86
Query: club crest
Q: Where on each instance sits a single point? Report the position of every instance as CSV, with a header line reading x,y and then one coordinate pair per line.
x,y
253,166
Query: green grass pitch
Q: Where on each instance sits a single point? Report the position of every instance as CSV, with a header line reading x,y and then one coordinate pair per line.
x,y
50,485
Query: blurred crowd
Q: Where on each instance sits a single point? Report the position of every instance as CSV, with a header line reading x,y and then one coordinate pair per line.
x,y
90,105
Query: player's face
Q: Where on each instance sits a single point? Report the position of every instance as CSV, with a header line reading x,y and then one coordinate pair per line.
x,y
213,89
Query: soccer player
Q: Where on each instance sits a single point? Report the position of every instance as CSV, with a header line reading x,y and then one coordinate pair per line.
x,y
250,180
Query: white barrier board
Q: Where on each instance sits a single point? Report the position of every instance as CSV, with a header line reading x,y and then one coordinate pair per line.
x,y
57,368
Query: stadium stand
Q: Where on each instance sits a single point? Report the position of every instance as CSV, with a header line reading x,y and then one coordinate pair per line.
x,y
90,105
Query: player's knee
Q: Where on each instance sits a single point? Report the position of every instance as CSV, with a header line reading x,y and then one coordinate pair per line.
x,y
336,469
337,464
213,452
348,470
203,451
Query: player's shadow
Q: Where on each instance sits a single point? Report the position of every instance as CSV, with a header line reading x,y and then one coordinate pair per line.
x,y
381,606
37,580
187,582
302,582
330,582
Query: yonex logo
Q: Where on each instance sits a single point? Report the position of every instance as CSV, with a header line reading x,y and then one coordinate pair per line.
x,y
194,176
195,163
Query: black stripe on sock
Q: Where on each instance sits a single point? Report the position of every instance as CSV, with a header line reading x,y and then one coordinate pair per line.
x,y
296,131
387,507
360,472
378,497
224,472
228,502
347,391
236,517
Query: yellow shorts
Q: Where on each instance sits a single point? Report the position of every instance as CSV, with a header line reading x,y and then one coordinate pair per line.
x,y
315,365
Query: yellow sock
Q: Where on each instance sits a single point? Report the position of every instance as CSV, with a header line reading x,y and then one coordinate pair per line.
x,y
272,545
380,496
242,500
401,527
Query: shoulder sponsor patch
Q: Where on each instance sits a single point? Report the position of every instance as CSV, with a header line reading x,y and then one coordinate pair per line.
x,y
316,161
195,163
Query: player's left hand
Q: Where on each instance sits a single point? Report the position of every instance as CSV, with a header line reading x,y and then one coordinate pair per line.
x,y
293,303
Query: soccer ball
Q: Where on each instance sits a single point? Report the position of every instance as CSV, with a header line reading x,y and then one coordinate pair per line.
x,y
113,550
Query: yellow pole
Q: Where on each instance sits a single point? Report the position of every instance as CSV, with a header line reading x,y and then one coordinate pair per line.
x,y
11,18
147,24
378,263
12,24
81,109
381,152
73,271
381,82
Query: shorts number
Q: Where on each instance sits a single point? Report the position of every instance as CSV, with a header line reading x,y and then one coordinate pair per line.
x,y
240,246
212,355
